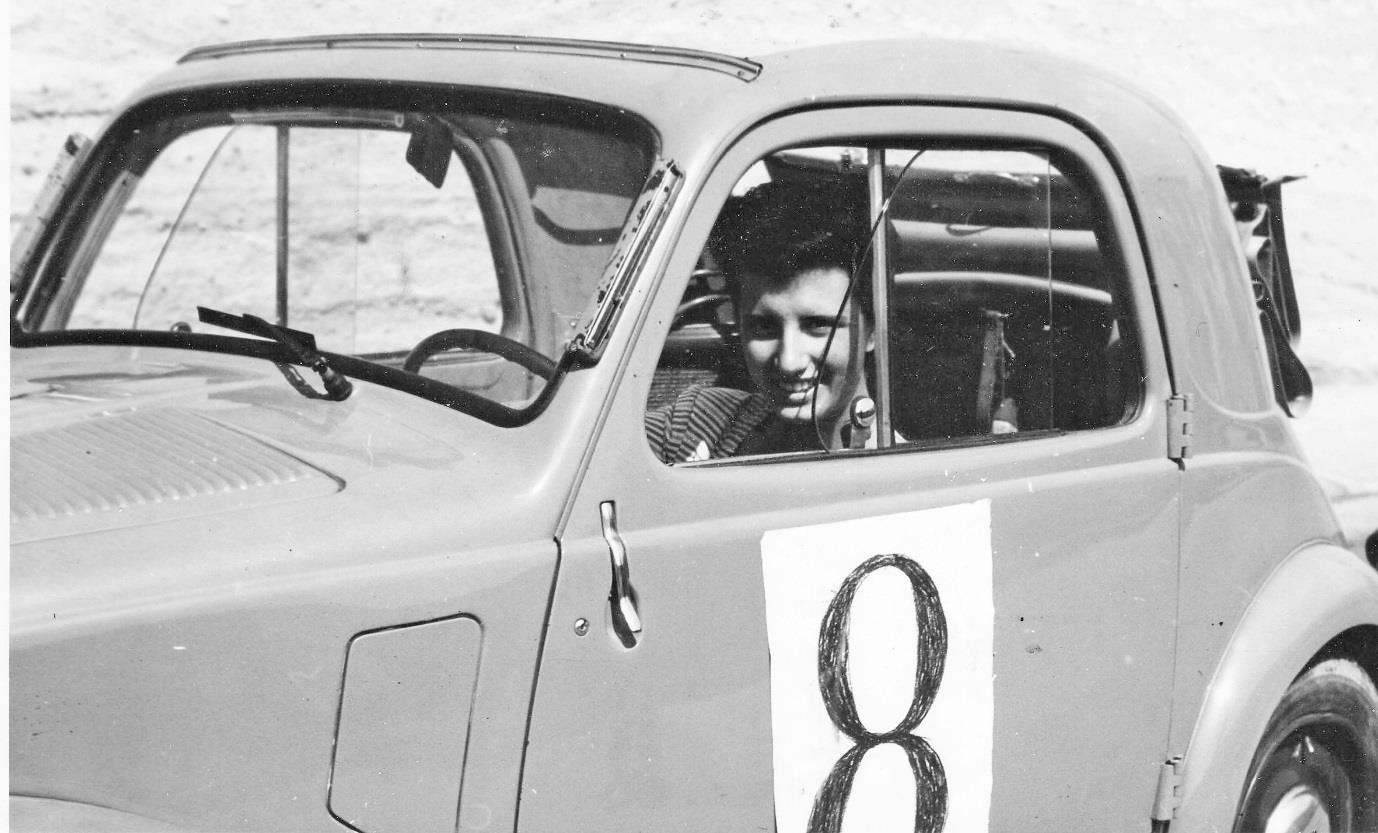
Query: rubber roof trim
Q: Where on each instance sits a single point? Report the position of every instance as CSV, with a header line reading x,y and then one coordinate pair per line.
x,y
736,67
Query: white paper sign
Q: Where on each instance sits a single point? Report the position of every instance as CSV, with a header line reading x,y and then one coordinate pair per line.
x,y
846,606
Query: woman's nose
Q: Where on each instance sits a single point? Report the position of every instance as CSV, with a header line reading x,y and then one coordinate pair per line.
x,y
794,356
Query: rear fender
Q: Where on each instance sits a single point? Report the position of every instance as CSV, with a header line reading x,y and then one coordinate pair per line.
x,y
1315,595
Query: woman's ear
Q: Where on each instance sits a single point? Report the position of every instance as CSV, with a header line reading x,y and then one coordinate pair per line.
x,y
869,329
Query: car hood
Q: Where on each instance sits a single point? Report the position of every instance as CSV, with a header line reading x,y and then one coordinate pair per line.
x,y
114,447
57,816
93,449
229,602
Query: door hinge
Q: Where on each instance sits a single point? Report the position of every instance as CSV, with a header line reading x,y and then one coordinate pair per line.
x,y
1179,427
1167,797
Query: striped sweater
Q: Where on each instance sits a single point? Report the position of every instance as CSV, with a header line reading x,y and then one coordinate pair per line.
x,y
705,423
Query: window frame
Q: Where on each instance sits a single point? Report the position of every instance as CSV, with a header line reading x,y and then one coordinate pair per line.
x,y
105,193
967,128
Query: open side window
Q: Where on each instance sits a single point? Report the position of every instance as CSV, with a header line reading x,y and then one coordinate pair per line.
x,y
985,287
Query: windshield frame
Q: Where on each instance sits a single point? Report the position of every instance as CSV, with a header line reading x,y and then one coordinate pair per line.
x,y
53,276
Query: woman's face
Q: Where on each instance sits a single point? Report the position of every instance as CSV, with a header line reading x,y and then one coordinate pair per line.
x,y
785,326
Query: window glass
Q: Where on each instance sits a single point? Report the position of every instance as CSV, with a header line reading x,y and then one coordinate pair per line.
x,y
445,242
857,298
377,257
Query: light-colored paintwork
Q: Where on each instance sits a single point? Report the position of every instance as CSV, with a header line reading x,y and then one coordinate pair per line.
x,y
190,670
1186,229
1313,594
404,727
213,637
1084,539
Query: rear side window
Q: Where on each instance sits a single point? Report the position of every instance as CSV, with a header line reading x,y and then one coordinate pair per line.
x,y
871,297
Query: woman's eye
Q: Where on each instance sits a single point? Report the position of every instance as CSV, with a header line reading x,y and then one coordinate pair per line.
x,y
819,326
758,327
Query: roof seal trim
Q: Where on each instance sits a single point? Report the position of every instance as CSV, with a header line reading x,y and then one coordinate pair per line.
x,y
742,68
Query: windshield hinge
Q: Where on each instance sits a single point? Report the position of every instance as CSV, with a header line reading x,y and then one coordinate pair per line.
x,y
1179,428
1167,797
26,241
629,255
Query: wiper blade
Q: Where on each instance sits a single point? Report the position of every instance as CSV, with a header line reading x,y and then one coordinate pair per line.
x,y
300,345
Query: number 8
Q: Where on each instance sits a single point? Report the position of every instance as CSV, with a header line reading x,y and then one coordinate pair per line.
x,y
930,779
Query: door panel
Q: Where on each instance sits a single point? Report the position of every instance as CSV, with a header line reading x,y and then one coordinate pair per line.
x,y
1051,555
675,733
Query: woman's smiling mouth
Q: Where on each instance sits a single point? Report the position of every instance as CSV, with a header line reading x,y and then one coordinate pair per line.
x,y
796,392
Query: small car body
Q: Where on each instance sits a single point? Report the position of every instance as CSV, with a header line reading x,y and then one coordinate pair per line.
x,y
333,506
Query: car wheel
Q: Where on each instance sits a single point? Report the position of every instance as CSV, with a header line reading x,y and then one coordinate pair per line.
x,y
1316,770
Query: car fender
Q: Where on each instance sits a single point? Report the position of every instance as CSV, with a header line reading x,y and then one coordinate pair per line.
x,y
56,815
1315,594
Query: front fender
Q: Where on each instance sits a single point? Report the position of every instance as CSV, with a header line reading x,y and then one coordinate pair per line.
x,y
1315,594
55,815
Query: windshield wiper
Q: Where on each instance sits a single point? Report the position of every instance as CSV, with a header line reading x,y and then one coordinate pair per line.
x,y
300,345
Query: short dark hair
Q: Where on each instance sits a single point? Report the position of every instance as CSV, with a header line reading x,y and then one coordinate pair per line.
x,y
779,229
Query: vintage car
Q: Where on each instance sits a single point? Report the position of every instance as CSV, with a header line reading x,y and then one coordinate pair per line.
x,y
334,507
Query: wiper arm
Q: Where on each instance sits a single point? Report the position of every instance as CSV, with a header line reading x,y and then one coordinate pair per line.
x,y
301,345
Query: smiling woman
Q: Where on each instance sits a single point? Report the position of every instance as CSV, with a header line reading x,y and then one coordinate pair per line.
x,y
803,355
790,254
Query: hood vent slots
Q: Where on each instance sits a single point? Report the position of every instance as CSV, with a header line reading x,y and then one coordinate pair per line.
x,y
172,459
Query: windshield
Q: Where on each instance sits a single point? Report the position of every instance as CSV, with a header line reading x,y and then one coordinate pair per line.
x,y
451,242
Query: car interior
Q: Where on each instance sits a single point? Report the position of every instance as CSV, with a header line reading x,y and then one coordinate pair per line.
x,y
1003,306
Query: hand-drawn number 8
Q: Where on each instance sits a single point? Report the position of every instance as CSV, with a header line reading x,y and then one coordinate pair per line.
x,y
930,779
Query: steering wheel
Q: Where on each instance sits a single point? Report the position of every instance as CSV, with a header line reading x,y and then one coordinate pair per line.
x,y
703,309
464,338
692,306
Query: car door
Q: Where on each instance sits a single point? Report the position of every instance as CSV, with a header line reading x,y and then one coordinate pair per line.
x,y
964,629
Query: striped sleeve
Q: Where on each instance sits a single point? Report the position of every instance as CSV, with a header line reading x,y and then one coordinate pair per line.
x,y
704,423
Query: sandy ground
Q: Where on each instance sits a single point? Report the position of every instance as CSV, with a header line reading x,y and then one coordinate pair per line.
x,y
1283,88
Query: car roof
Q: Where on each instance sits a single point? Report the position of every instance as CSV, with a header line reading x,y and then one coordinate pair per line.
x,y
682,91
699,102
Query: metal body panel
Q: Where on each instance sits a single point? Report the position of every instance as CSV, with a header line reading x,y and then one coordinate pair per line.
x,y
221,632
1286,510
1177,197
1308,598
100,474
220,637
675,731
205,687
28,813
404,727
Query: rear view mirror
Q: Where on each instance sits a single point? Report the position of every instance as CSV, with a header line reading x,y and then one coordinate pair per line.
x,y
429,151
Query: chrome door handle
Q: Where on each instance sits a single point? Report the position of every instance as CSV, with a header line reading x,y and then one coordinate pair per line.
x,y
625,618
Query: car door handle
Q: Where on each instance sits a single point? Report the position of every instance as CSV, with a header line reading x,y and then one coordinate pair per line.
x,y
626,620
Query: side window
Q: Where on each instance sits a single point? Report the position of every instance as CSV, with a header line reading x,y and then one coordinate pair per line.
x,y
872,297
325,229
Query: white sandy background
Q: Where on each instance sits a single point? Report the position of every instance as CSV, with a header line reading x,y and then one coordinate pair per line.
x,y
1283,88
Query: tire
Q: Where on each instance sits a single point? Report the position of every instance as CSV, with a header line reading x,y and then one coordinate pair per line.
x,y
1316,770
